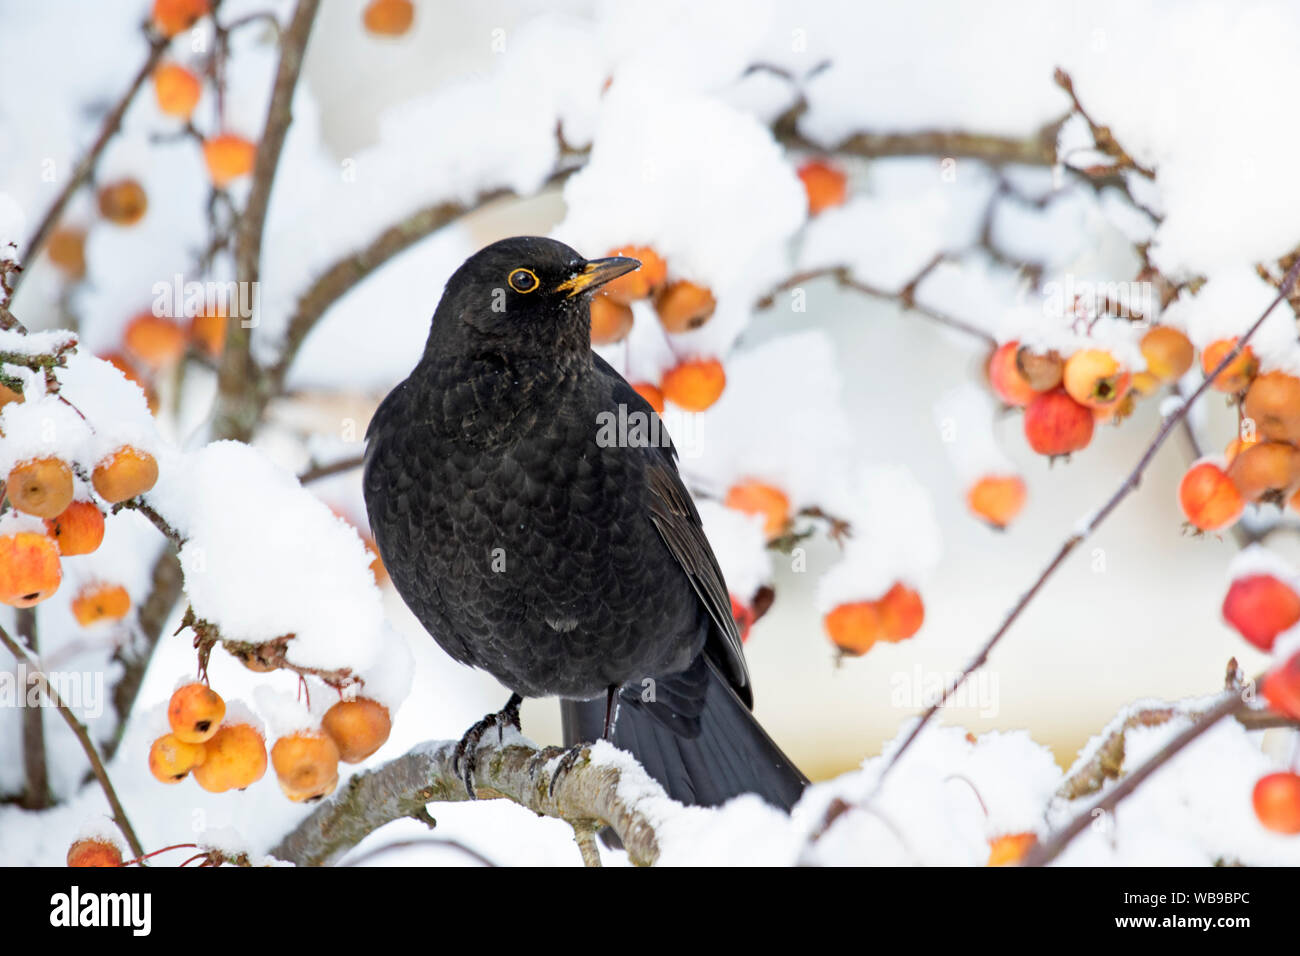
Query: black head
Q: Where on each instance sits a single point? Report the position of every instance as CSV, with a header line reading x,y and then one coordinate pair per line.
x,y
523,295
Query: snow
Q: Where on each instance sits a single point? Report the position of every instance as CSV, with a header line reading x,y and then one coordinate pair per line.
x,y
1185,114
287,714
895,536
263,559
731,440
1045,326
1053,236
909,213
684,170
388,680
740,546
13,227
41,426
970,73
114,406
1256,559
95,412
50,342
974,288
965,417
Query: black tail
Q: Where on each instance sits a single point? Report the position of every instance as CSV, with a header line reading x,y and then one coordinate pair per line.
x,y
696,737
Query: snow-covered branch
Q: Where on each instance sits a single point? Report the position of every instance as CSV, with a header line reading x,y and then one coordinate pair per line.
x,y
1232,701
603,788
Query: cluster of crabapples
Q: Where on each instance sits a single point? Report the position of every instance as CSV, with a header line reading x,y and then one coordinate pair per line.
x,y
31,566
1065,396
683,305
231,754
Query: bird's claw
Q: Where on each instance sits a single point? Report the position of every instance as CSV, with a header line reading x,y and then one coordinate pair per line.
x,y
465,756
568,758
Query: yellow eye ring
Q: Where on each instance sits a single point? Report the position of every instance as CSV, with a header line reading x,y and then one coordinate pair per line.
x,y
523,280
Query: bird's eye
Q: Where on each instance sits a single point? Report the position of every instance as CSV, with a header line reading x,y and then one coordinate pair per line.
x,y
523,280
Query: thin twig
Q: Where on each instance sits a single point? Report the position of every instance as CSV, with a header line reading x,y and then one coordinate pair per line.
x,y
158,521
584,834
87,745
81,172
904,297
317,472
1129,484
1101,135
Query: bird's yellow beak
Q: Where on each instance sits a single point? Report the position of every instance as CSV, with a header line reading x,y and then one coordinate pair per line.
x,y
596,273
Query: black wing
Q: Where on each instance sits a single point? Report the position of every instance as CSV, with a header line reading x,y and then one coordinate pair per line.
x,y
678,522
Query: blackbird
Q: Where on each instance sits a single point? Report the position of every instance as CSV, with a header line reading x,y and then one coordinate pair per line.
x,y
565,564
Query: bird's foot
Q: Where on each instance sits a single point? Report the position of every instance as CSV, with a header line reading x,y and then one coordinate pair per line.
x,y
568,758
465,757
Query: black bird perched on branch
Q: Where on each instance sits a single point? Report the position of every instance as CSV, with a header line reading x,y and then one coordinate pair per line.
x,y
561,563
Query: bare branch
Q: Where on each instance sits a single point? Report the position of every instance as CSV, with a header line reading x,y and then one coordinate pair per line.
x,y
83,736
329,469
843,276
239,370
36,795
81,172
1037,149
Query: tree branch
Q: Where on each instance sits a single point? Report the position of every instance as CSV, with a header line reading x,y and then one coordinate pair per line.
x,y
238,370
588,796
329,469
843,276
81,172
36,795
83,736
164,592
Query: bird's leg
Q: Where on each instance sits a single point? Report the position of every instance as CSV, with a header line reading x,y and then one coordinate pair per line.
x,y
611,709
569,756
465,757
